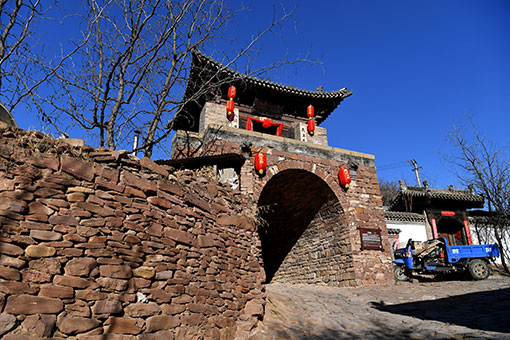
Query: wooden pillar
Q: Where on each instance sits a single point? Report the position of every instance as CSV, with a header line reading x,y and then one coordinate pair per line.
x,y
434,228
468,232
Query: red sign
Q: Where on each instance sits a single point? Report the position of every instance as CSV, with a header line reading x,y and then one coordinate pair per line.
x,y
370,239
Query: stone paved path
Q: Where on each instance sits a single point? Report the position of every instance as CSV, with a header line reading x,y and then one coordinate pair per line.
x,y
420,310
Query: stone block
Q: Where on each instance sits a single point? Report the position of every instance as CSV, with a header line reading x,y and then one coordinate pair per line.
x,y
111,284
39,208
179,236
7,322
45,235
107,307
59,292
9,273
39,250
30,275
116,271
144,272
123,326
137,310
149,164
17,288
161,322
12,205
76,325
80,266
62,219
77,168
170,188
27,304
10,249
73,281
39,325
146,186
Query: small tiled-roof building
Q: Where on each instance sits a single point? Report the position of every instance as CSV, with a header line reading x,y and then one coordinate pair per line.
x,y
423,213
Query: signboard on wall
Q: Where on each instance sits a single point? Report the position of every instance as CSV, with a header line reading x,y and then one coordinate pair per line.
x,y
370,239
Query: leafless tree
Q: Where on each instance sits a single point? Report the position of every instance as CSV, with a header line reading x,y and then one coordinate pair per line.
x,y
485,165
24,67
131,74
389,191
16,23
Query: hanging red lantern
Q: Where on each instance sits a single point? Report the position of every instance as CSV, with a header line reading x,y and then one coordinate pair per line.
x,y
345,177
230,110
230,106
311,127
232,92
260,163
266,123
310,111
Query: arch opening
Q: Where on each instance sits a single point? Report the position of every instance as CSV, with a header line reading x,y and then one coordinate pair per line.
x,y
304,237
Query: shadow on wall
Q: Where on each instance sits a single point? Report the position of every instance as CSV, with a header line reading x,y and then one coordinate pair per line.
x,y
487,311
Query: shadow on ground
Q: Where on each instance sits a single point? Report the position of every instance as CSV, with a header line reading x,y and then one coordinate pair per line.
x,y
379,331
488,310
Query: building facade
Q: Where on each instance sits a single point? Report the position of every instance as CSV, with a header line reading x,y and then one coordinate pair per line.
x,y
312,227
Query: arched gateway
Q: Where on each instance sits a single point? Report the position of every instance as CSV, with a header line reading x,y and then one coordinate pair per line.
x,y
265,140
305,236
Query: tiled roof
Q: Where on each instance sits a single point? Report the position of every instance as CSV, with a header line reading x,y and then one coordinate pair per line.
x,y
398,216
425,196
445,194
394,231
202,59
296,100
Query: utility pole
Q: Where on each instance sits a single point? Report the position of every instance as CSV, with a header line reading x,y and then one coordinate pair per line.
x,y
416,170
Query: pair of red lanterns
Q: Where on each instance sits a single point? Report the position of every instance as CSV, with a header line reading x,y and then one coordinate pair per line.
x,y
260,160
230,103
310,112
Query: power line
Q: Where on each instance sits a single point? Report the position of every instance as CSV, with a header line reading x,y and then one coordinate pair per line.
x,y
391,166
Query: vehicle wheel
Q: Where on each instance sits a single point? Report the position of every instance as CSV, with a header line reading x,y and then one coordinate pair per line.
x,y
478,269
400,273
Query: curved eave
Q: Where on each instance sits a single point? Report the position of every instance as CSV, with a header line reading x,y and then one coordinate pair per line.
x,y
203,66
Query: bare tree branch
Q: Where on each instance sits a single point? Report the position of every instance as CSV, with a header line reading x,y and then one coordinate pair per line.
x,y
485,166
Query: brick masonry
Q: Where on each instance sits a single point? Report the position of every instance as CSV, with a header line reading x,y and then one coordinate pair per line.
x,y
311,234
97,245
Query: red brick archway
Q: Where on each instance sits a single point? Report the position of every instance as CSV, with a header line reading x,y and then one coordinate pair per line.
x,y
305,238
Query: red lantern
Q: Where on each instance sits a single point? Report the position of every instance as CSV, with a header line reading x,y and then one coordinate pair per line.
x,y
310,111
260,163
230,110
232,92
230,106
266,123
345,177
311,127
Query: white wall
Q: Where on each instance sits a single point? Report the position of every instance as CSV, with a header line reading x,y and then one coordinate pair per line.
x,y
415,231
485,235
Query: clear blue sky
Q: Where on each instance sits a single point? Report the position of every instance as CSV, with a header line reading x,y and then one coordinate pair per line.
x,y
415,68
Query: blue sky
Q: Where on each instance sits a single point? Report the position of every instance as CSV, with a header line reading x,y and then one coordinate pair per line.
x,y
415,68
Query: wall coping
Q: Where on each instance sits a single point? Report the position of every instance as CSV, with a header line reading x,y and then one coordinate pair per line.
x,y
282,143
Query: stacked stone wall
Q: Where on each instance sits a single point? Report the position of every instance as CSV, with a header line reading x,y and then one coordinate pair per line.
x,y
97,245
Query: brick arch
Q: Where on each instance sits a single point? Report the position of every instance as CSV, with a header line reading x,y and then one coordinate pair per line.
x,y
319,170
306,237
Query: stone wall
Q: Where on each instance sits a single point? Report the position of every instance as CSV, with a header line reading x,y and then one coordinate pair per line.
x,y
97,245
